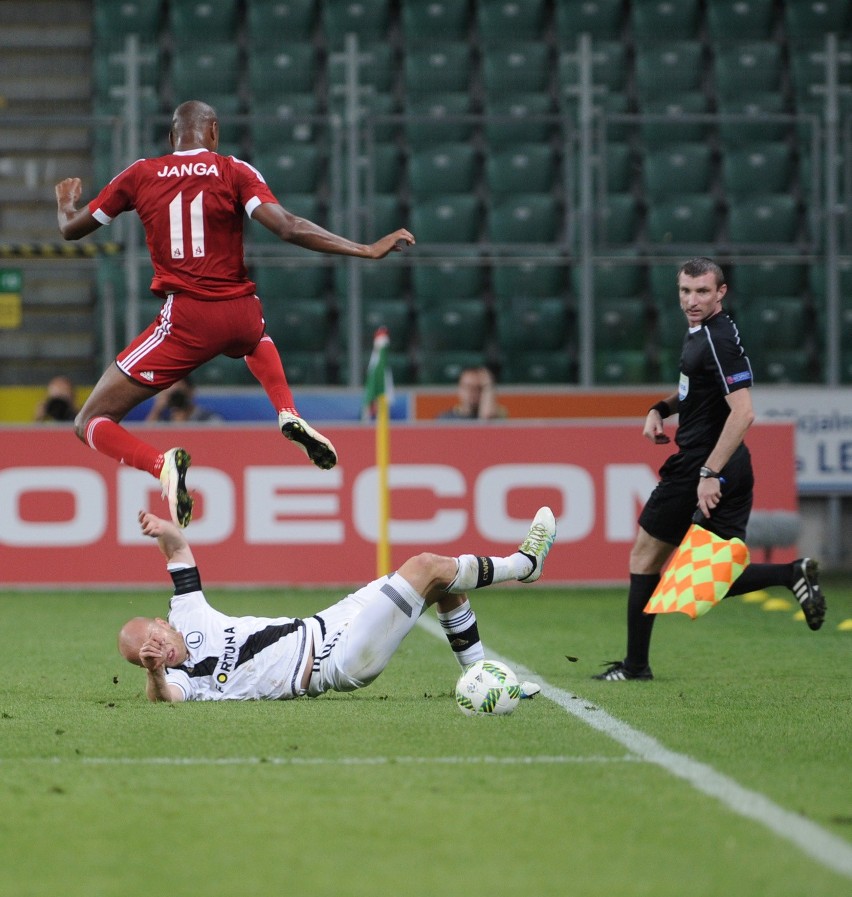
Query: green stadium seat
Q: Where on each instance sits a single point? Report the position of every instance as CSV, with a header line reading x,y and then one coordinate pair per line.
x,y
612,279
383,215
531,279
301,323
662,285
379,280
677,169
108,71
282,70
375,110
448,168
518,118
275,283
685,219
780,366
447,219
516,68
507,23
438,119
442,69
809,19
391,313
664,68
445,367
223,371
663,20
754,63
112,22
621,367
770,218
609,66
228,107
675,119
297,167
286,120
618,166
526,168
273,22
195,22
773,322
401,368
767,277
538,367
618,221
213,70
305,368
759,168
456,277
368,19
524,218
601,19
807,70
435,21
604,106
753,117
528,324
382,168
376,67
453,325
818,279
620,323
670,326
740,20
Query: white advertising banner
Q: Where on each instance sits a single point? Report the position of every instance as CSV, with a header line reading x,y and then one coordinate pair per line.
x,y
823,442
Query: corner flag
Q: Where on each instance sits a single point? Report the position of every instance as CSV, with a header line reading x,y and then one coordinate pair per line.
x,y
700,573
378,390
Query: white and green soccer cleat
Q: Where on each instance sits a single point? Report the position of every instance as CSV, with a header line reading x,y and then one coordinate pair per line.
x,y
176,462
538,542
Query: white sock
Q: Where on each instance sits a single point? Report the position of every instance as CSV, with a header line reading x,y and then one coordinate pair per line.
x,y
462,633
476,572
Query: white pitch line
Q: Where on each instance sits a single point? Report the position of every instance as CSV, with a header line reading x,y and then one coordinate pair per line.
x,y
323,761
831,851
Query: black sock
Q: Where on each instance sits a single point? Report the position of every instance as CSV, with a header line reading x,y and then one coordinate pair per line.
x,y
639,624
762,576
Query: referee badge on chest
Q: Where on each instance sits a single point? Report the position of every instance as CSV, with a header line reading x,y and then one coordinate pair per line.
x,y
683,387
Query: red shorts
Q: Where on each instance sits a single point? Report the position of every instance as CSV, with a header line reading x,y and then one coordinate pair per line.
x,y
189,332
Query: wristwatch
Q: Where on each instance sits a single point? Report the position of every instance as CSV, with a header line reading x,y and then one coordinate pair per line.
x,y
706,473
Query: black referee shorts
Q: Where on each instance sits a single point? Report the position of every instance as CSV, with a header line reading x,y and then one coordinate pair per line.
x,y
670,507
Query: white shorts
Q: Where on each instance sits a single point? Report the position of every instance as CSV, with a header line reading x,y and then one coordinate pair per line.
x,y
362,633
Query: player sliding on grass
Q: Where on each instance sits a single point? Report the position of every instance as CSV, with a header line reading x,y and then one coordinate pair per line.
x,y
200,654
192,203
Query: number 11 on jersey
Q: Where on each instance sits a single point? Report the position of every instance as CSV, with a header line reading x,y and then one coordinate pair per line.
x,y
196,225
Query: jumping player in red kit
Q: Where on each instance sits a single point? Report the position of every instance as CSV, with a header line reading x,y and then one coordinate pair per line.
x,y
191,203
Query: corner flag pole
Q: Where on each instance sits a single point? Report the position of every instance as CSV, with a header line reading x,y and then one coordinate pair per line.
x,y
377,390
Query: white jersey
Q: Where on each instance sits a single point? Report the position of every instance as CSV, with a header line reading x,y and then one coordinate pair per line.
x,y
237,658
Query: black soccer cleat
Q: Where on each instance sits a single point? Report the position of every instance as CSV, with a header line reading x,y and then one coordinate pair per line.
x,y
808,592
316,446
617,671
176,462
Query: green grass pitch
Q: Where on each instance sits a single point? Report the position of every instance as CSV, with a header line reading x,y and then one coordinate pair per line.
x,y
392,790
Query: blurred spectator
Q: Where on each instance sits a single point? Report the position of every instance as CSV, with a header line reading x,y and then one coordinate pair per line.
x,y
59,402
176,404
477,398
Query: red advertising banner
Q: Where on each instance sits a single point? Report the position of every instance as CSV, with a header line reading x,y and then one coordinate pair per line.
x,y
264,515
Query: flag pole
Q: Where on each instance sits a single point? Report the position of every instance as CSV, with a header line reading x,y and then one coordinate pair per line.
x,y
383,561
377,392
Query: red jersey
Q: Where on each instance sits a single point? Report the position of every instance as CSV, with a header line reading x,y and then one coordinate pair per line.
x,y
192,205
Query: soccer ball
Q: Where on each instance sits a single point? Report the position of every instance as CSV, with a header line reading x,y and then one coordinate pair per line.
x,y
487,687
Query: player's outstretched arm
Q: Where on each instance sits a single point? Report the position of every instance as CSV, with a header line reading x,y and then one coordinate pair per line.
x,y
308,235
73,222
171,540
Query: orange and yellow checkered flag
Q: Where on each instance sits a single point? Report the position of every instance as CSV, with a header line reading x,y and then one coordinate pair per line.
x,y
700,573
